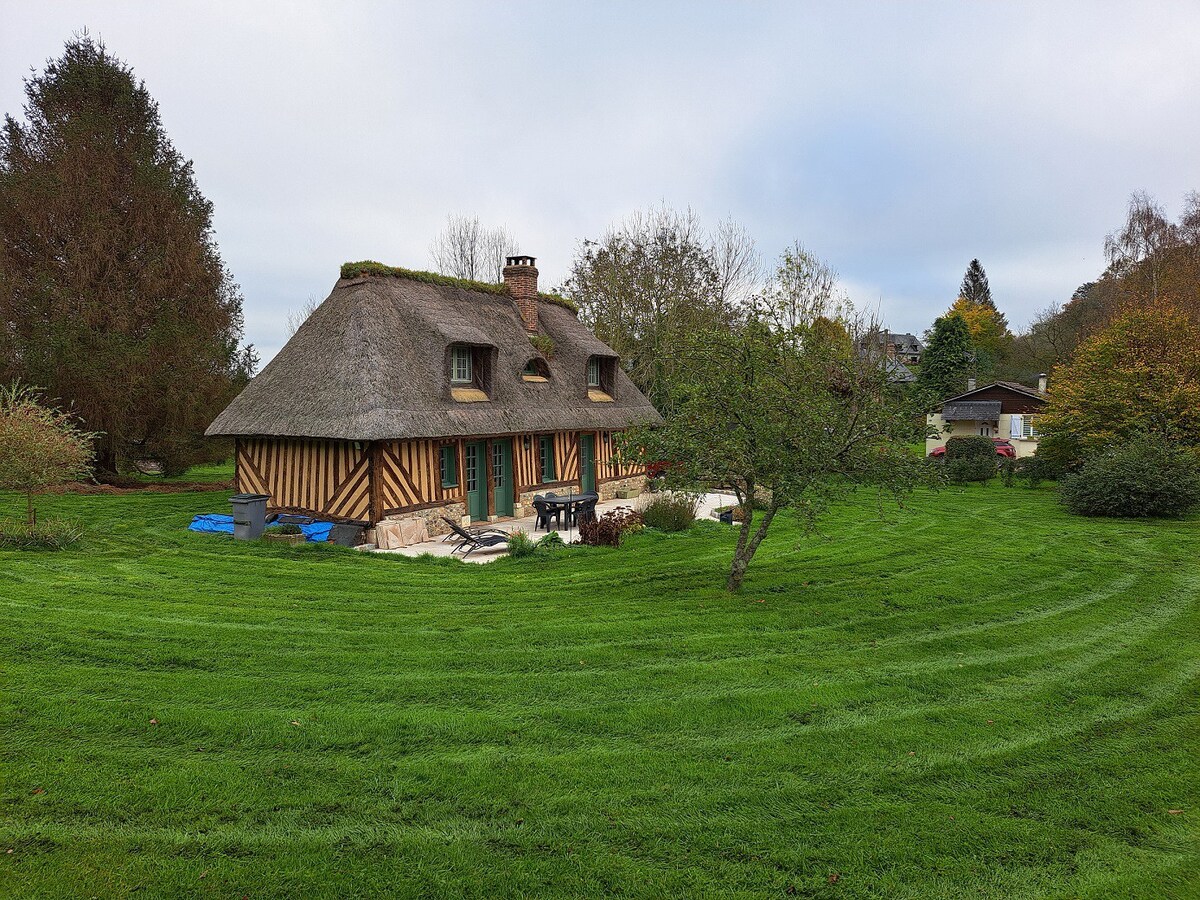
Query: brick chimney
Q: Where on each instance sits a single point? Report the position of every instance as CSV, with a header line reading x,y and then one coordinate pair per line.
x,y
520,277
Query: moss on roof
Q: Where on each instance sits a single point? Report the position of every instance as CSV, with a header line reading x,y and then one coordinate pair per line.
x,y
371,267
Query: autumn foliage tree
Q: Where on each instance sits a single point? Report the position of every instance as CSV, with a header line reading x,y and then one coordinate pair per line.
x,y
39,445
1139,376
113,294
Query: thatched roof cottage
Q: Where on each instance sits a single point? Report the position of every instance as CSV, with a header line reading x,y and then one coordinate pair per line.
x,y
411,394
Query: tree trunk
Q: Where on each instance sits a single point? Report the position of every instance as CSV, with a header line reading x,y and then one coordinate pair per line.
x,y
747,548
30,512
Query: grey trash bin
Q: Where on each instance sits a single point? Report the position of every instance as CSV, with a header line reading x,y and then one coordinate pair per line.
x,y
249,515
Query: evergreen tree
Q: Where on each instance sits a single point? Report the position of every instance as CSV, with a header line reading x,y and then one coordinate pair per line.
x,y
113,294
974,288
948,357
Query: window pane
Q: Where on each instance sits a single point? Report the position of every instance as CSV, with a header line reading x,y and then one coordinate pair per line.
x,y
460,365
593,373
449,467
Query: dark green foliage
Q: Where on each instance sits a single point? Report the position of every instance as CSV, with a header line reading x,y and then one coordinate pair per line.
x,y
113,293
674,511
975,287
45,534
947,359
1008,471
1040,467
970,468
611,528
550,543
520,545
369,267
286,528
971,446
1148,477
544,344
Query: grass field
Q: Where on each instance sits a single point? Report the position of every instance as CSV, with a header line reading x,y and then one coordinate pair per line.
x,y
979,697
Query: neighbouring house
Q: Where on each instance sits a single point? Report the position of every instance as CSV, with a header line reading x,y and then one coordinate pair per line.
x,y
1002,409
412,395
904,348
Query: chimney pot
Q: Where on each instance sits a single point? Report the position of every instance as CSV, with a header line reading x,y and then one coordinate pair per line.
x,y
970,384
520,277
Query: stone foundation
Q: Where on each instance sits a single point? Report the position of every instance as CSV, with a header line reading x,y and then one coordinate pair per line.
x,y
432,517
608,489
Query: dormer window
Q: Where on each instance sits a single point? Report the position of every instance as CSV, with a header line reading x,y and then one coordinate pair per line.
x,y
461,369
536,371
601,378
470,368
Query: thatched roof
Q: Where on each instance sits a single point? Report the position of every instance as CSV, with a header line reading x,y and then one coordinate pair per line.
x,y
371,363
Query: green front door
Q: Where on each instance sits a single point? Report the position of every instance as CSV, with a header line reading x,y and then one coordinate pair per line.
x,y
502,476
475,471
587,462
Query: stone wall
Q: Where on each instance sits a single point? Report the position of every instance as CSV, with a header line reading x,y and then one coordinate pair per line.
x,y
432,517
608,489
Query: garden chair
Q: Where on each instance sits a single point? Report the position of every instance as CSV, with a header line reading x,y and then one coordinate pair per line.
x,y
544,513
472,529
470,542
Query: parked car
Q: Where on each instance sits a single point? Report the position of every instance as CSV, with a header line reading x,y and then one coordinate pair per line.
x,y
1003,448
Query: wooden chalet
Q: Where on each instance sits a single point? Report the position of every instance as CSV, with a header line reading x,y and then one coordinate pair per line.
x,y
1002,409
410,394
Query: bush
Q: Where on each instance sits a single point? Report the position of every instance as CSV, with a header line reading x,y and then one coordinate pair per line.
x,y
1147,477
1008,471
970,468
47,534
551,542
288,528
520,545
610,529
1038,468
670,511
971,446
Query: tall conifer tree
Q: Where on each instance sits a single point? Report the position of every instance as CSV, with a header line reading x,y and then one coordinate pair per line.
x,y
974,288
948,357
113,294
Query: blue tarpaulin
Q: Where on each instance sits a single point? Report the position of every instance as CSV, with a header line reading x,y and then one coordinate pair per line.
x,y
216,523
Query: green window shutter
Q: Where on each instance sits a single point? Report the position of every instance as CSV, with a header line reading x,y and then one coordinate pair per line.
x,y
449,467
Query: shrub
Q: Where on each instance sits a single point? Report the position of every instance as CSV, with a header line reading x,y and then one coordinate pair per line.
x,y
971,446
1008,471
1038,468
551,542
288,528
674,511
970,468
521,544
610,529
1147,477
47,534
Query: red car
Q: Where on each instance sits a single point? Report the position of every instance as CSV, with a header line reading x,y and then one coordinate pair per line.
x,y
1003,448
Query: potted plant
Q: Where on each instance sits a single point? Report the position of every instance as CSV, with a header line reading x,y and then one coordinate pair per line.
x,y
283,534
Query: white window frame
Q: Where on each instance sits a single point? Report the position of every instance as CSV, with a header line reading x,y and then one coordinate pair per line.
x,y
461,368
1027,428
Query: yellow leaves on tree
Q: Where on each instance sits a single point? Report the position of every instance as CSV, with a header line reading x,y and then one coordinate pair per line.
x,y
1141,375
987,326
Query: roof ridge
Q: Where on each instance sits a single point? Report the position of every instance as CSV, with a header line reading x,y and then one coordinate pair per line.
x,y
368,267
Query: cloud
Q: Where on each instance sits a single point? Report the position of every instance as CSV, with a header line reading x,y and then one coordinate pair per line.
x,y
898,141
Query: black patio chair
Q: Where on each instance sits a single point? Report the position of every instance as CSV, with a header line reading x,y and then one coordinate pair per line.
x,y
471,542
472,529
585,510
544,513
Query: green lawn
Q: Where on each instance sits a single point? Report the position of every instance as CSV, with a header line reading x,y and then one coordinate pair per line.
x,y
980,697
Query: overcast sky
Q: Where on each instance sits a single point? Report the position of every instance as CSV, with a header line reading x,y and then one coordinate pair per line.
x,y
897,141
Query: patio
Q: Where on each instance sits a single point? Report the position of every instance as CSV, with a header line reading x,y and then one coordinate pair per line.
x,y
439,547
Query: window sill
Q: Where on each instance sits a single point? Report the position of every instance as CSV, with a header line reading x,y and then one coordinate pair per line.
x,y
468,395
598,396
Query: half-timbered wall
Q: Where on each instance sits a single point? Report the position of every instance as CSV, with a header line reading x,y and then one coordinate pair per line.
x,y
409,474
330,478
338,480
